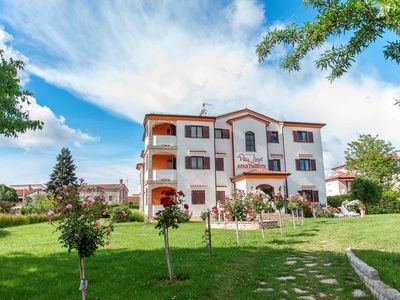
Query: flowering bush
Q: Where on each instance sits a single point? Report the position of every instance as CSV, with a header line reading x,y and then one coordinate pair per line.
x,y
204,213
214,212
171,216
79,224
237,207
259,202
125,214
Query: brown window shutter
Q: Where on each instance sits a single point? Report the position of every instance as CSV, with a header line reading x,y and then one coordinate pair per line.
x,y
297,164
279,165
220,196
219,164
206,132
269,136
188,162
310,137
313,165
206,163
188,133
295,136
270,164
198,197
225,133
315,196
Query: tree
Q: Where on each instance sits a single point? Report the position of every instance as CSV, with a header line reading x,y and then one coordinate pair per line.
x,y
366,190
8,194
366,20
63,172
13,118
373,158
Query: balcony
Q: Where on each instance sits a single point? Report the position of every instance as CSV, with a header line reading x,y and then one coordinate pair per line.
x,y
164,175
164,140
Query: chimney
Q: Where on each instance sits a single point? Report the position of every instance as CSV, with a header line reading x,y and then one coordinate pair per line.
x,y
121,181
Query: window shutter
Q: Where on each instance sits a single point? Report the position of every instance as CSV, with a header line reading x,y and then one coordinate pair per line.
x,y
225,133
269,136
310,137
295,136
188,131
206,132
313,165
315,196
270,164
219,164
298,164
279,165
206,163
220,195
188,162
198,197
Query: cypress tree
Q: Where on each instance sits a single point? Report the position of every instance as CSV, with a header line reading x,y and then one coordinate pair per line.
x,y
63,172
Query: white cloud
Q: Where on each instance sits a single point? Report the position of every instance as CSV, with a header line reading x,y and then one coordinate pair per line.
x,y
135,58
245,13
55,132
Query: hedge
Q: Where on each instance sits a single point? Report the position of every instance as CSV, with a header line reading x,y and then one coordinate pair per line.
x,y
389,204
336,201
8,220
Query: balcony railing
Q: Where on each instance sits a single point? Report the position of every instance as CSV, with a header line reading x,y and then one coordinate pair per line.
x,y
164,140
167,175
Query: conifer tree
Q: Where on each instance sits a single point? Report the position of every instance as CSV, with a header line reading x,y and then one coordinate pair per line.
x,y
63,172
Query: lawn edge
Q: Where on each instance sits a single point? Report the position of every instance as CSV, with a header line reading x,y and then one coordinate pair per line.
x,y
371,278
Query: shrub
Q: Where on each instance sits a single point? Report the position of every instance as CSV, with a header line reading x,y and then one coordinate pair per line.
x,y
43,203
389,204
337,200
366,191
121,214
5,206
136,216
8,220
133,205
27,209
7,193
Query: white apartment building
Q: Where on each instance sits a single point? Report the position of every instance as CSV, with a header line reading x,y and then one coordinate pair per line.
x,y
209,157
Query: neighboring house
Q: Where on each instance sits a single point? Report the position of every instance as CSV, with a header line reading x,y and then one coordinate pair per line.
x,y
209,157
134,198
113,193
339,182
31,190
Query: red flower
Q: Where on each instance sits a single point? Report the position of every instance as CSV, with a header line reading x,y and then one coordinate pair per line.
x,y
214,209
180,193
186,206
168,203
163,199
169,192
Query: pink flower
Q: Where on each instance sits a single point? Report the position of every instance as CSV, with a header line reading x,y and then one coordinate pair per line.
x,y
91,200
59,197
186,206
50,213
68,206
81,180
65,186
108,242
70,184
109,230
97,223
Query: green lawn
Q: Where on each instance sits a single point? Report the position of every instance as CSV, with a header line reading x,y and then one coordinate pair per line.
x,y
34,266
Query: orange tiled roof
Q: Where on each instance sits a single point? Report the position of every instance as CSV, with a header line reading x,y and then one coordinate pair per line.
x,y
341,175
101,185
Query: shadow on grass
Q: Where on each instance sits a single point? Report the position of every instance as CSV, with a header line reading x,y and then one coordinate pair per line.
x,y
231,273
4,233
386,263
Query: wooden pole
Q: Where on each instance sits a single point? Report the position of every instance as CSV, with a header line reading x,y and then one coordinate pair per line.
x,y
168,255
262,226
209,232
237,232
294,222
302,217
83,282
280,221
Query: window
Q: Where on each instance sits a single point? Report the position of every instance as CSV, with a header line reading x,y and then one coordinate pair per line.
x,y
310,195
110,198
274,164
303,136
198,197
197,162
219,164
272,136
250,142
220,133
197,132
171,163
220,196
305,165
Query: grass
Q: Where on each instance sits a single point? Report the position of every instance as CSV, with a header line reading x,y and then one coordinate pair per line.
x,y
34,266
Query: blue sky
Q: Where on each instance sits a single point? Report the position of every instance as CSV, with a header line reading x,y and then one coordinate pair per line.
x,y
96,68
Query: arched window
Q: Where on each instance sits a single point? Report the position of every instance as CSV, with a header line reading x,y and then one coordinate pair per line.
x,y
250,142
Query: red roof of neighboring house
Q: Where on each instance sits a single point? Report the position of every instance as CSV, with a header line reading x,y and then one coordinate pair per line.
x,y
102,186
25,192
339,176
133,198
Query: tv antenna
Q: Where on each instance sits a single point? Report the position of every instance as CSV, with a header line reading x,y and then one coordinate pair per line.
x,y
204,111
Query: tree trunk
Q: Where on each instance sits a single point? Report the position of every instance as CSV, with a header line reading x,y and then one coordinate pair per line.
x,y
294,222
168,255
83,283
262,226
302,218
209,232
280,222
237,232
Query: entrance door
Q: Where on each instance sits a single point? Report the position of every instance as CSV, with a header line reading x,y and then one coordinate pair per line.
x,y
266,188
